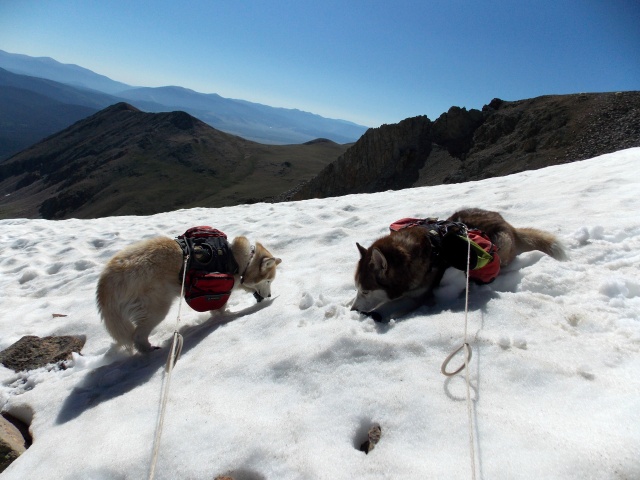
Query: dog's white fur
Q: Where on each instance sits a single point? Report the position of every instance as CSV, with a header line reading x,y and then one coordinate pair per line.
x,y
139,284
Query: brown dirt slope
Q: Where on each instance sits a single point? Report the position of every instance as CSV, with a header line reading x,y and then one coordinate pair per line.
x,y
122,161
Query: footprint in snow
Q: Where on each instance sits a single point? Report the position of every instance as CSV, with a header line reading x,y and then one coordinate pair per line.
x,y
506,343
27,276
82,265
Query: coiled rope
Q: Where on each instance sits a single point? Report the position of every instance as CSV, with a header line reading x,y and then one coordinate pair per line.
x,y
174,354
467,358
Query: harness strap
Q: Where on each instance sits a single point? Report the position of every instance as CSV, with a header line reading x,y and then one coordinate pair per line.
x,y
252,252
207,254
467,359
209,268
174,354
450,242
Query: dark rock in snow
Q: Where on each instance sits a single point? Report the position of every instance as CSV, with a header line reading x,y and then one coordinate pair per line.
x,y
32,352
12,443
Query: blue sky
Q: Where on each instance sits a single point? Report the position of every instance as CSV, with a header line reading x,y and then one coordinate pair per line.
x,y
371,62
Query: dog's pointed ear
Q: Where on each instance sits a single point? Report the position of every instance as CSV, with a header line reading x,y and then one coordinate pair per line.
x,y
361,249
268,263
278,261
378,259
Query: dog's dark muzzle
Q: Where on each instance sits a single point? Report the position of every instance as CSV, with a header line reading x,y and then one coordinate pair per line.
x,y
373,314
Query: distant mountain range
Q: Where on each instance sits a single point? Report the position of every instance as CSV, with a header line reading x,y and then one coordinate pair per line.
x,y
113,158
74,75
122,161
34,108
24,118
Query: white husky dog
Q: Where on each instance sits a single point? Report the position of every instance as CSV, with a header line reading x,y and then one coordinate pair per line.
x,y
139,284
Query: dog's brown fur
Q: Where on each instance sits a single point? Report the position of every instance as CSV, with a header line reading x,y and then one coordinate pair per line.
x,y
409,251
511,241
395,274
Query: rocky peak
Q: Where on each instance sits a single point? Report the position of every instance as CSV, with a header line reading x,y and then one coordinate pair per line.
x,y
387,157
505,137
454,130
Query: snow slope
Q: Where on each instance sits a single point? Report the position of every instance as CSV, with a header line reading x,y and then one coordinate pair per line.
x,y
288,389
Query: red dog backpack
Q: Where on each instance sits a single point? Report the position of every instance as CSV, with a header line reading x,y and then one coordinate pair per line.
x,y
209,277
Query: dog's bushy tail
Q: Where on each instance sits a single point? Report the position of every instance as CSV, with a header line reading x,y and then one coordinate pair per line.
x,y
112,313
528,239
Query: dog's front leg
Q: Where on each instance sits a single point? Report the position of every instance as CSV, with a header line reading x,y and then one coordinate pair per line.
x,y
411,301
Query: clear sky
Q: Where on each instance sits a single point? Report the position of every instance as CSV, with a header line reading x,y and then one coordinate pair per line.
x,y
371,62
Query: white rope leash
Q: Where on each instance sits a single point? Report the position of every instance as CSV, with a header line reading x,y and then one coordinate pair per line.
x,y
174,354
465,366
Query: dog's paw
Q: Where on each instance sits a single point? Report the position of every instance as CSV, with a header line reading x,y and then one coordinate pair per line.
x,y
142,348
376,316
146,348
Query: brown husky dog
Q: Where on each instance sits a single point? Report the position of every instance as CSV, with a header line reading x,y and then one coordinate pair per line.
x,y
398,273
139,284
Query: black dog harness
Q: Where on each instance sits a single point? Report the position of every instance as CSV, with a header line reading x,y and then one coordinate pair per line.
x,y
210,267
450,243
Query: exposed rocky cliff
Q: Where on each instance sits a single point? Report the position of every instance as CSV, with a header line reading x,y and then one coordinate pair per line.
x,y
388,157
463,145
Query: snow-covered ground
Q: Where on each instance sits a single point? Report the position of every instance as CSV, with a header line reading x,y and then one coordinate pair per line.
x,y
288,389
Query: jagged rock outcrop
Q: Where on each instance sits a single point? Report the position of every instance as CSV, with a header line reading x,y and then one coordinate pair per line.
x,y
550,130
388,157
504,138
454,130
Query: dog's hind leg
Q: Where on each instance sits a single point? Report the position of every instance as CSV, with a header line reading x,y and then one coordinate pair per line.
x,y
141,337
145,318
118,327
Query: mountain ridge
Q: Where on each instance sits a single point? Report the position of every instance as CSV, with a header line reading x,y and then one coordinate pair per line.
x,y
122,161
465,145
27,117
253,121
51,69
